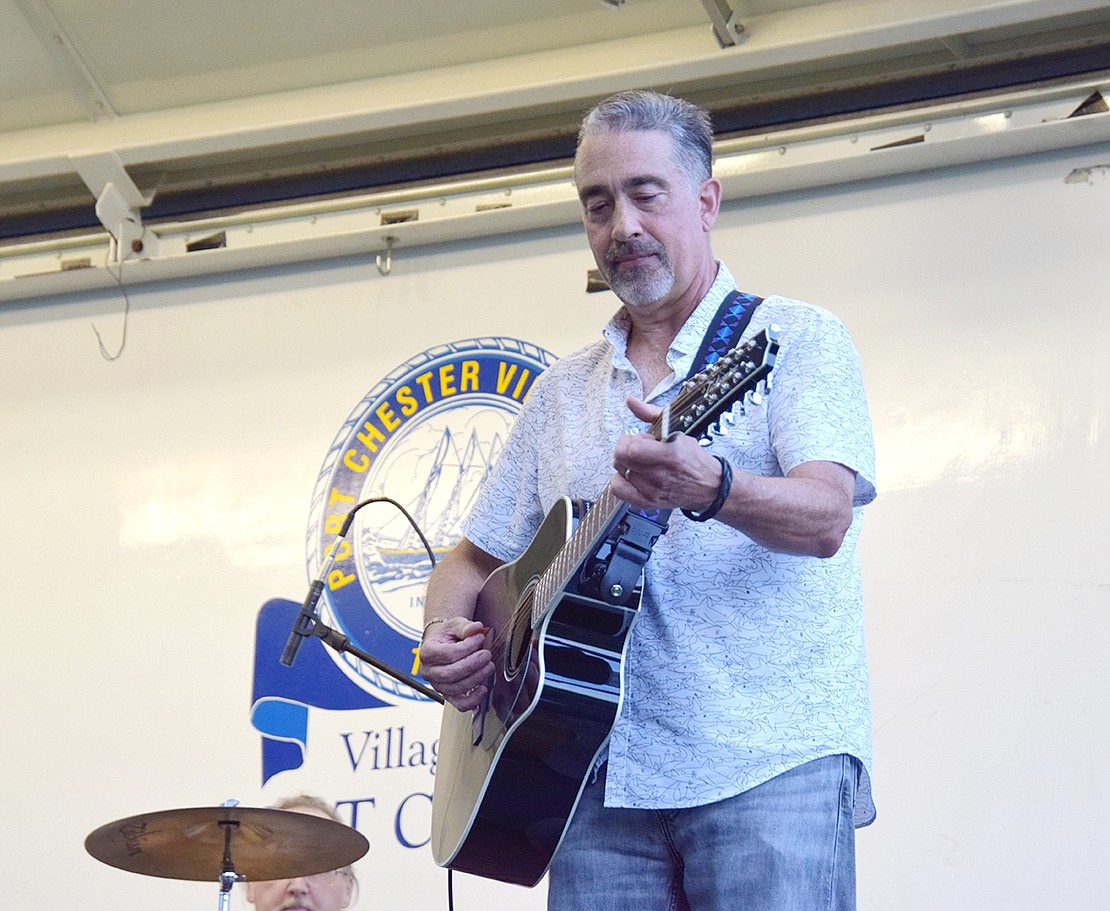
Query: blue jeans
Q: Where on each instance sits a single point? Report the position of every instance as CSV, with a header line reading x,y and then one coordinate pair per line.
x,y
785,845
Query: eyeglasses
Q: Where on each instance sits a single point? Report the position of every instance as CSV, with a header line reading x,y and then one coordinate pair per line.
x,y
326,878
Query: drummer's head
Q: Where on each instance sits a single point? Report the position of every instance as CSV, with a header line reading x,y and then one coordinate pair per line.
x,y
330,891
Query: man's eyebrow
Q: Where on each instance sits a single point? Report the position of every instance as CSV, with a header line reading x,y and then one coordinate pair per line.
x,y
586,192
630,183
645,180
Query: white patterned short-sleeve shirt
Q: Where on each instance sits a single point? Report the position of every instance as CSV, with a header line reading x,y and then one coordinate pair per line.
x,y
744,663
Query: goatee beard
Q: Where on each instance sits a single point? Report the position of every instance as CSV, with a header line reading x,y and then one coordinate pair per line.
x,y
644,284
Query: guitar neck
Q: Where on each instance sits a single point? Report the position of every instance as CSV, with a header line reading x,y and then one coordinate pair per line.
x,y
591,531
702,399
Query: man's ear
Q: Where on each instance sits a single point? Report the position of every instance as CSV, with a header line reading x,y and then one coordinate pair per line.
x,y
709,199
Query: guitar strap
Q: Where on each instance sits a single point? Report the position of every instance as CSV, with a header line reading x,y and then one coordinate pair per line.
x,y
725,330
729,323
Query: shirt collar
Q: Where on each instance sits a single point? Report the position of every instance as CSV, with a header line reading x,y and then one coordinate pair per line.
x,y
685,346
688,341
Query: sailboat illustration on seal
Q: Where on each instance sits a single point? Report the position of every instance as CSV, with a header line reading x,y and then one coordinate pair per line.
x,y
394,553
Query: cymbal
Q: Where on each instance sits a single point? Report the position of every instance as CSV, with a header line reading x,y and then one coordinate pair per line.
x,y
189,844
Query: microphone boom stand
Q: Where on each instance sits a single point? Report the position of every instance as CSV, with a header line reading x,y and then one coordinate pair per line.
x,y
308,622
338,642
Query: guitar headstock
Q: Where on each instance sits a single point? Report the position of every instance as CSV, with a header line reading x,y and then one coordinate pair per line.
x,y
707,395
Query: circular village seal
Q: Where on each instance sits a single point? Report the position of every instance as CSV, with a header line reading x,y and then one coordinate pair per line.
x,y
424,436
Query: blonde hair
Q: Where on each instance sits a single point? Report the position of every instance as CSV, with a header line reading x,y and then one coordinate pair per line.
x,y
308,801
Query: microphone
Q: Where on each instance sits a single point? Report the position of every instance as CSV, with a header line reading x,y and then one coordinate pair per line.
x,y
307,619
304,624
308,622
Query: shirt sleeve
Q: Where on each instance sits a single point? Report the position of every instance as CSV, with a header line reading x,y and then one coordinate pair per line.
x,y
817,407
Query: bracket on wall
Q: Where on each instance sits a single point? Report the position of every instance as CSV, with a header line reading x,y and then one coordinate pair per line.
x,y
385,261
727,28
118,202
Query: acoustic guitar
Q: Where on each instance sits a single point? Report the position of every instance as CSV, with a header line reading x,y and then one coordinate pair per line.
x,y
509,773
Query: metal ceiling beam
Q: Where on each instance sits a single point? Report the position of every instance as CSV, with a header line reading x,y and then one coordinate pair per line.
x,y
87,91
727,28
804,39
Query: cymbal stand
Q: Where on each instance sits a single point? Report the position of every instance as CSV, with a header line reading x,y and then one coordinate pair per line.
x,y
228,876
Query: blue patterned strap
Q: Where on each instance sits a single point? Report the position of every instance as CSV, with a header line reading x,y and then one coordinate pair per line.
x,y
612,572
724,332
729,323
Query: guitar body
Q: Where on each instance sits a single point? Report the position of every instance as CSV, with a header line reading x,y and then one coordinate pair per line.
x,y
509,775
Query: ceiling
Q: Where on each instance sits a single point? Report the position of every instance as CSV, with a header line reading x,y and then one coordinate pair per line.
x,y
206,105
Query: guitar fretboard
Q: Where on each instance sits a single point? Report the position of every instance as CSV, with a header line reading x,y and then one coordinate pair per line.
x,y
585,538
702,399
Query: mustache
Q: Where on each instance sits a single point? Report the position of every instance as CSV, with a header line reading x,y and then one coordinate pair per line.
x,y
639,247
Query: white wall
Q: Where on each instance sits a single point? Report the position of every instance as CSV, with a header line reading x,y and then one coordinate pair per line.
x,y
152,504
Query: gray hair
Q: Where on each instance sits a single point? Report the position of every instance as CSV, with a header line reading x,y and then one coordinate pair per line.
x,y
312,802
308,802
641,111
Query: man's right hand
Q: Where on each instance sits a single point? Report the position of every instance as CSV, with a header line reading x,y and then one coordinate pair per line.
x,y
455,659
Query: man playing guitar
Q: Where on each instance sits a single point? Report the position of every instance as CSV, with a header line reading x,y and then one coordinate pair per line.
x,y
738,762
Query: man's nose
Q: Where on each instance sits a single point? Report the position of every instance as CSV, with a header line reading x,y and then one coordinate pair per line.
x,y
297,886
626,220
